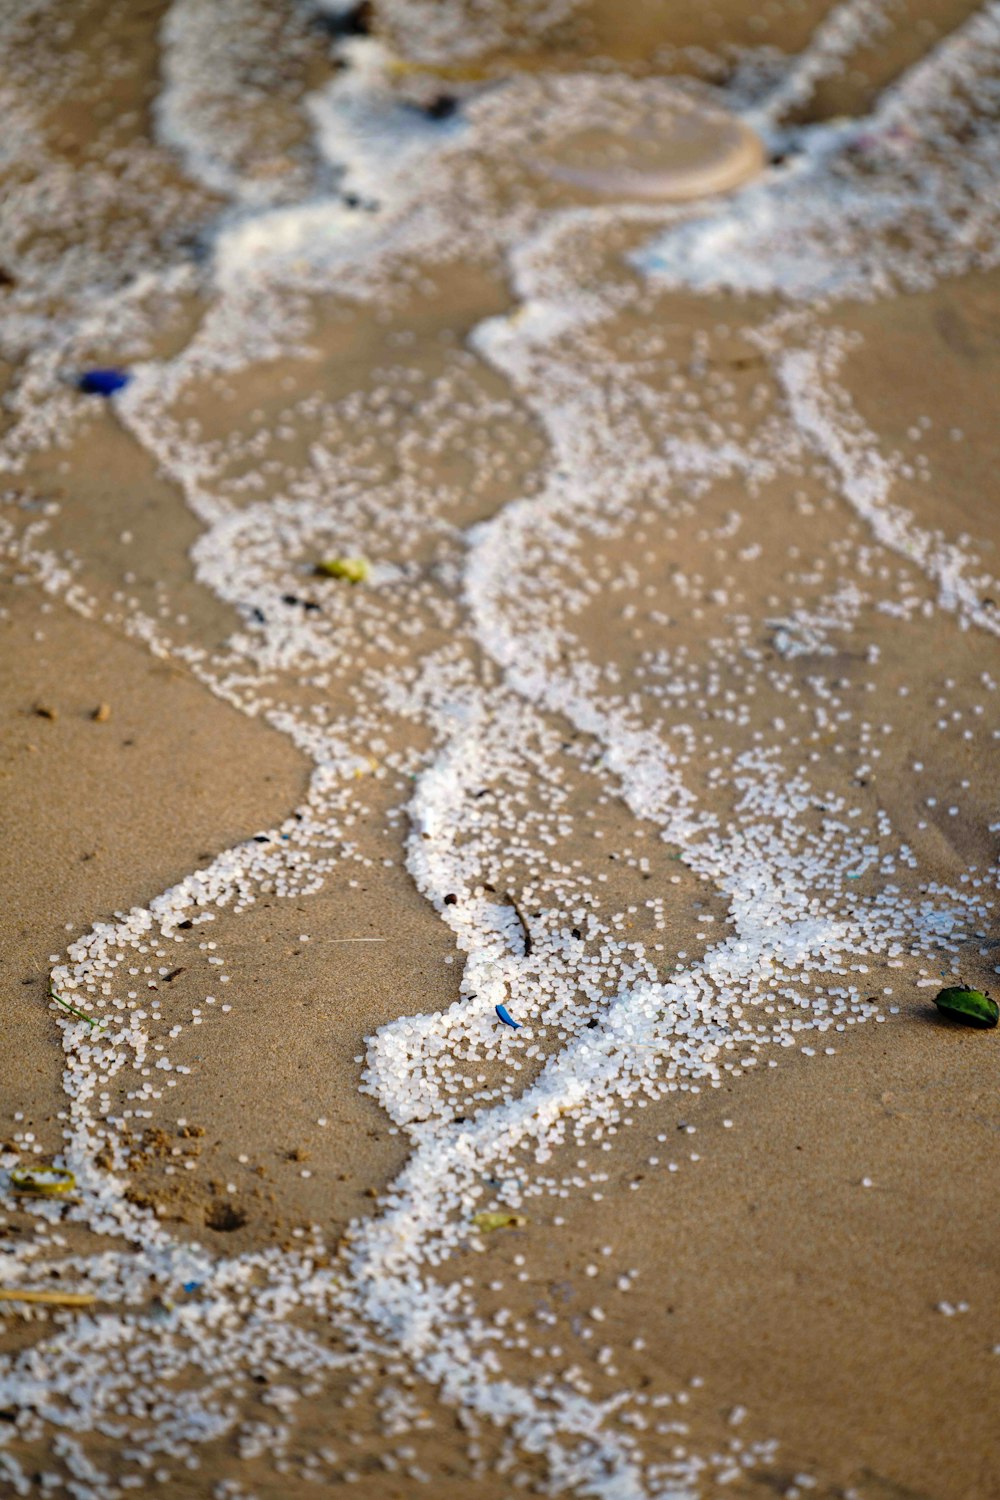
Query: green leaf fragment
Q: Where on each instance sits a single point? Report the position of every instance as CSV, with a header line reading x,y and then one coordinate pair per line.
x,y
353,569
498,1220
971,1007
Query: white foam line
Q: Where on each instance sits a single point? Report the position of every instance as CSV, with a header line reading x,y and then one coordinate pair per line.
x,y
849,25
866,480
932,87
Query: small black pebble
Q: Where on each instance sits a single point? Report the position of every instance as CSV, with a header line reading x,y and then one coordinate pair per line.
x,y
354,22
441,108
450,900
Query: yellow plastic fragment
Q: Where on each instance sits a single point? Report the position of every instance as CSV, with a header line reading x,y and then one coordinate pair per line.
x,y
55,1299
353,569
502,1219
402,67
46,1182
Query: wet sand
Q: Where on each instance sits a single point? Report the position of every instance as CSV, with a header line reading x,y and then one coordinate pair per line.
x,y
799,1282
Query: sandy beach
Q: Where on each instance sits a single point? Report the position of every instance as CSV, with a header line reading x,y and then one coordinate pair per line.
x,y
499,741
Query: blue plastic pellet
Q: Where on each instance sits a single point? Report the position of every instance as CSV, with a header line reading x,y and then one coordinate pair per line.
x,y
103,382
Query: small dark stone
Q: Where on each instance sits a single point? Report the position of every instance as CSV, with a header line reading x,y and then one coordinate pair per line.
x,y
441,108
354,22
451,900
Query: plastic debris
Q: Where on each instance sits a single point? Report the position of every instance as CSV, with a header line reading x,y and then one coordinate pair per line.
x,y
498,1219
353,569
46,1182
971,1007
54,1299
461,72
103,382
507,1018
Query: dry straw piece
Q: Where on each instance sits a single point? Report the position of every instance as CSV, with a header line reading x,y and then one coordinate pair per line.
x,y
52,1299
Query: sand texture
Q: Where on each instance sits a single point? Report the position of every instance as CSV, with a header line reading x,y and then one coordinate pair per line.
x,y
499,749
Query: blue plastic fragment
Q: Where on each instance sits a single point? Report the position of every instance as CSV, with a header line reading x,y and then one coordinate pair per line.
x,y
507,1018
191,1286
103,382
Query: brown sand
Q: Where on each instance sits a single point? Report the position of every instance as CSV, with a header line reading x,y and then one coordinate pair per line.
x,y
97,816
766,1268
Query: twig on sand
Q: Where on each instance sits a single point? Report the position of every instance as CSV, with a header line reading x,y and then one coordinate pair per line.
x,y
80,1015
519,914
56,1299
355,940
